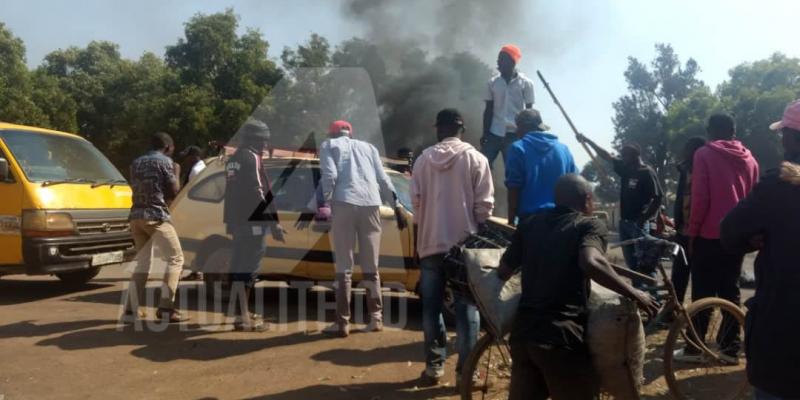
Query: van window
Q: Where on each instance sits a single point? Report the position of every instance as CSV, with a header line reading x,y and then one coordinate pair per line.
x,y
403,187
293,187
210,189
50,157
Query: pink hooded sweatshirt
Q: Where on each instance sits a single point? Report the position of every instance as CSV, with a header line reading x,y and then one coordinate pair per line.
x,y
452,192
723,173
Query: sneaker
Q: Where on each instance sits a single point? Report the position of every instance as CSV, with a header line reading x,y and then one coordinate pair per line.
x,y
374,326
338,330
129,317
253,326
431,376
688,355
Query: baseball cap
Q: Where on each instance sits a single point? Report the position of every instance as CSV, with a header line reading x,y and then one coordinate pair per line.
x,y
255,129
791,117
531,117
449,117
340,127
513,51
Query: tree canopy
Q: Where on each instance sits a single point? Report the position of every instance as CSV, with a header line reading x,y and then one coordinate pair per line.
x,y
217,75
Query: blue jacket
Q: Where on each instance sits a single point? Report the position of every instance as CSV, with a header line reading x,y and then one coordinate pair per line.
x,y
533,165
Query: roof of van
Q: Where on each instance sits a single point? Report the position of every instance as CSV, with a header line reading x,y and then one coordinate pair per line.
x,y
8,126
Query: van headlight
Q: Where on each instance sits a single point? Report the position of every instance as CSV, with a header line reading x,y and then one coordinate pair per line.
x,y
47,223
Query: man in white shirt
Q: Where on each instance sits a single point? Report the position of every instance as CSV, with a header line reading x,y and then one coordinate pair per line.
x,y
508,94
193,163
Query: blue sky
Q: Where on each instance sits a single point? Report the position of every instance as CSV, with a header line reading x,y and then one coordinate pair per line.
x,y
581,45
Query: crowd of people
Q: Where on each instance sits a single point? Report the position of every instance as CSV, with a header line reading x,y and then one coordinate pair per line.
x,y
722,211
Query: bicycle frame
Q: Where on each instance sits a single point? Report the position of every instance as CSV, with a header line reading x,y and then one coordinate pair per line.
x,y
677,308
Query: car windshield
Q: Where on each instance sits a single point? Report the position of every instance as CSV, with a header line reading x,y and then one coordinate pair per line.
x,y
53,158
402,186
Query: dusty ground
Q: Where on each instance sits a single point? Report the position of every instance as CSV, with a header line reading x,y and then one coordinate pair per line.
x,y
65,344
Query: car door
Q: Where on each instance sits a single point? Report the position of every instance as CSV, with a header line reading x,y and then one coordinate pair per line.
x,y
10,215
292,187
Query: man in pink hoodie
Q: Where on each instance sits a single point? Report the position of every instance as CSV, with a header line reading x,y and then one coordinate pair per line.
x,y
724,172
452,193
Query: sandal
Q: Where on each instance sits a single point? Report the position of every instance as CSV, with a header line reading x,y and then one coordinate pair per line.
x,y
171,316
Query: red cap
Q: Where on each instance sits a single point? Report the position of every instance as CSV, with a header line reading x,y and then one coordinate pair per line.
x,y
513,51
340,127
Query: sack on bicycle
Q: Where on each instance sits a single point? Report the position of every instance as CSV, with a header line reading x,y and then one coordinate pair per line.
x,y
615,333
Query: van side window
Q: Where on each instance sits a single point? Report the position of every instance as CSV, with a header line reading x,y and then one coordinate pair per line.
x,y
210,189
10,172
293,187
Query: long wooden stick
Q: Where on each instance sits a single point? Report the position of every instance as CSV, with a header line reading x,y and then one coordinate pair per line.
x,y
600,169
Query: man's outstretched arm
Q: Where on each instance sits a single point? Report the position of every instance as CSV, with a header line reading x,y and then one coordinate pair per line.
x,y
598,269
601,152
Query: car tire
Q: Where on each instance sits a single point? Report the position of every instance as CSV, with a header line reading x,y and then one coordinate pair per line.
x,y
78,278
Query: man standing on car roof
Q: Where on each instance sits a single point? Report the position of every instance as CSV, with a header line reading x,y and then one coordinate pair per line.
x,y
249,215
508,93
155,184
355,184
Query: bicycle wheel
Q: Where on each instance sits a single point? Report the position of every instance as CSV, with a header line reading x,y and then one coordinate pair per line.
x,y
708,375
486,374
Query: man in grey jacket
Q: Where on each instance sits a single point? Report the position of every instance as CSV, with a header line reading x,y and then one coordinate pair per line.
x,y
355,184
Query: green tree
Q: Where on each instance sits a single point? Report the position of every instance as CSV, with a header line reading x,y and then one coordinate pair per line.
x,y
16,103
756,94
641,115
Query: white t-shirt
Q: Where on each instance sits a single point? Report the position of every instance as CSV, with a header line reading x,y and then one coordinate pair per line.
x,y
509,99
197,168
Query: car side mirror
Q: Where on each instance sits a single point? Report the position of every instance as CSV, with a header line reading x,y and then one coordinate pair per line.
x,y
4,177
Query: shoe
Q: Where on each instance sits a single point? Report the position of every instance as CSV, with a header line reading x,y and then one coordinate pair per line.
x,y
171,316
476,381
129,317
374,326
254,326
689,356
338,330
194,276
431,376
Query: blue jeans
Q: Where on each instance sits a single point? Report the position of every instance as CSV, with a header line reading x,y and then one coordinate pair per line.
x,y
247,251
492,145
633,230
431,288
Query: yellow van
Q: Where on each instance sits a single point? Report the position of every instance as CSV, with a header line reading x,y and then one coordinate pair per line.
x,y
63,206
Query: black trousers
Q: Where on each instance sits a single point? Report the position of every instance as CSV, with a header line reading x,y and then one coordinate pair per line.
x,y
541,372
681,271
715,273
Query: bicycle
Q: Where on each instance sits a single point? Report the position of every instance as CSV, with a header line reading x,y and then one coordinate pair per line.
x,y
487,371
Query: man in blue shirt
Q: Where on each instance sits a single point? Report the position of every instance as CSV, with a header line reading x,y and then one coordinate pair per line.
x,y
534,164
355,184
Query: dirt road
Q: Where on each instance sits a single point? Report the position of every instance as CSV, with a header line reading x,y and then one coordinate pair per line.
x,y
65,344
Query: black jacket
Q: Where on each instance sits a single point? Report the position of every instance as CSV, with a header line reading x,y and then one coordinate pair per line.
x,y
773,320
248,193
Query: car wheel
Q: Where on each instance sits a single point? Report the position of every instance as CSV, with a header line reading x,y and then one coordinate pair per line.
x,y
78,278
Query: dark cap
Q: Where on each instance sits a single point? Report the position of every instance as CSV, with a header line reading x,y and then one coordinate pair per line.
x,y
191,151
449,117
254,130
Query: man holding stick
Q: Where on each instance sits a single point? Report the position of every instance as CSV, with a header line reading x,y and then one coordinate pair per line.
x,y
640,196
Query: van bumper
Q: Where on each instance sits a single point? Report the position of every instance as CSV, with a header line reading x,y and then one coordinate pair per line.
x,y
45,256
